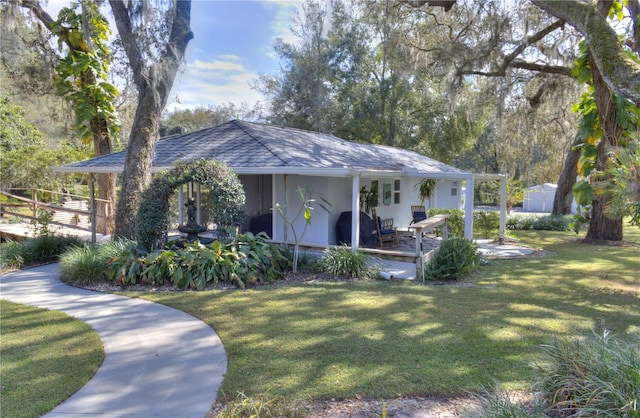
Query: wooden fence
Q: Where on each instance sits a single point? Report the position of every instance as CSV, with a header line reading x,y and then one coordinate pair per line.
x,y
71,211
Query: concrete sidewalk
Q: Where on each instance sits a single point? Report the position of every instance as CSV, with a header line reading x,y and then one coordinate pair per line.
x,y
159,362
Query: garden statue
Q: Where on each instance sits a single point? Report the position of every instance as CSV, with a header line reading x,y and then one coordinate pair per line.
x,y
192,229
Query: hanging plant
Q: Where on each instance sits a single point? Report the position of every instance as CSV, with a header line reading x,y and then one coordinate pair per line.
x,y
368,199
425,188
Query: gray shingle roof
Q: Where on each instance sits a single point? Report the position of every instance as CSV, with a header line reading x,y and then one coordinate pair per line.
x,y
257,148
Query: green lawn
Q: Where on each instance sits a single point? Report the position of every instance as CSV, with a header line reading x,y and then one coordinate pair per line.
x,y
375,339
45,357
384,339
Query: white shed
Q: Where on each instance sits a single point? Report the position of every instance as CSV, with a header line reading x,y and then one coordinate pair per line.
x,y
539,198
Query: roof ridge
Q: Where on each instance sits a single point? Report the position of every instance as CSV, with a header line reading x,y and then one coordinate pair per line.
x,y
240,124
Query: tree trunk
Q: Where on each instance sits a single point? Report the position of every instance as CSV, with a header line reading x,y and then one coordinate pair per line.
x,y
563,198
106,182
137,165
601,227
154,81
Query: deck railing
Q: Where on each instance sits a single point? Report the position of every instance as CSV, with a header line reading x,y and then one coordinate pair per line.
x,y
71,211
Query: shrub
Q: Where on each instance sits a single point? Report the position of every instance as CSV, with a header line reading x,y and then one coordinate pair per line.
x,y
521,223
455,223
342,261
598,376
247,259
33,251
552,223
454,259
486,223
87,264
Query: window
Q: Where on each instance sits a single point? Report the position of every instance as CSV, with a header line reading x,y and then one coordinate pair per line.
x,y
396,192
454,188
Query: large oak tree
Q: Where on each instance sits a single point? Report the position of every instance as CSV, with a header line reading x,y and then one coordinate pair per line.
x,y
155,55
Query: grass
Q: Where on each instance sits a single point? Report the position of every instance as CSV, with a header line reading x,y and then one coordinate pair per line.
x,y
371,339
387,339
45,357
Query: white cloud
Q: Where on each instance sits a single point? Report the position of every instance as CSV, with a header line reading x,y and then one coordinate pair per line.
x,y
281,24
224,63
221,80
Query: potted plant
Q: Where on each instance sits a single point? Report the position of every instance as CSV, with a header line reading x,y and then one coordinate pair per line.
x,y
425,189
368,199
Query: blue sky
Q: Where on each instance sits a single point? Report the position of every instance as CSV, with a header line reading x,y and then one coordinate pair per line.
x,y
233,44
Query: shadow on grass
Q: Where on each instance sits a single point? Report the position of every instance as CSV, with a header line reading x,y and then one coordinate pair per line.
x,y
381,339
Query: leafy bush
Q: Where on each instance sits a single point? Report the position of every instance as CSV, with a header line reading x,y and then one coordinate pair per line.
x,y
521,223
552,223
455,223
247,259
486,223
541,223
342,261
33,251
598,376
454,259
87,264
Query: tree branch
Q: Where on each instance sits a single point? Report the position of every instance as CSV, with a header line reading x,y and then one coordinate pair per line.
x,y
619,71
510,61
542,68
131,47
445,4
34,7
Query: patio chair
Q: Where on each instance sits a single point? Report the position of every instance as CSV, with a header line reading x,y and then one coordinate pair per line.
x,y
418,213
387,233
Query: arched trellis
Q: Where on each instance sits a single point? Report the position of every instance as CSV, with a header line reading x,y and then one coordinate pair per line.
x,y
227,198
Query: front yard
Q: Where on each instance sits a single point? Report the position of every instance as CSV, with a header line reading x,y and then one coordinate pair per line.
x,y
375,339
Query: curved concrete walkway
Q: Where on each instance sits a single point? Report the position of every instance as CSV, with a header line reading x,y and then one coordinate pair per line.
x,y
159,362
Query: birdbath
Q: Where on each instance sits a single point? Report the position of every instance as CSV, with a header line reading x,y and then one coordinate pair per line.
x,y
192,229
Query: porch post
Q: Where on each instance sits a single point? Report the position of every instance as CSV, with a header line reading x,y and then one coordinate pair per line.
x,y
468,208
503,206
355,212
198,211
285,207
92,204
181,204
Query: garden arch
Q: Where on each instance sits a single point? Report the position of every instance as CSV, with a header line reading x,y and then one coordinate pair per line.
x,y
227,198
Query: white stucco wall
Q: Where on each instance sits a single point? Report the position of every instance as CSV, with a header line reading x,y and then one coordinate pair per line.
x,y
317,232
338,191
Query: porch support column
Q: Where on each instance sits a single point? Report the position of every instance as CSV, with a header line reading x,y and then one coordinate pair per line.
x,y
355,212
181,204
92,205
198,211
285,208
503,206
468,208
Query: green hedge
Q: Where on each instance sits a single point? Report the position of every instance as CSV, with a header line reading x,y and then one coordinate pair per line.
x,y
455,223
227,198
